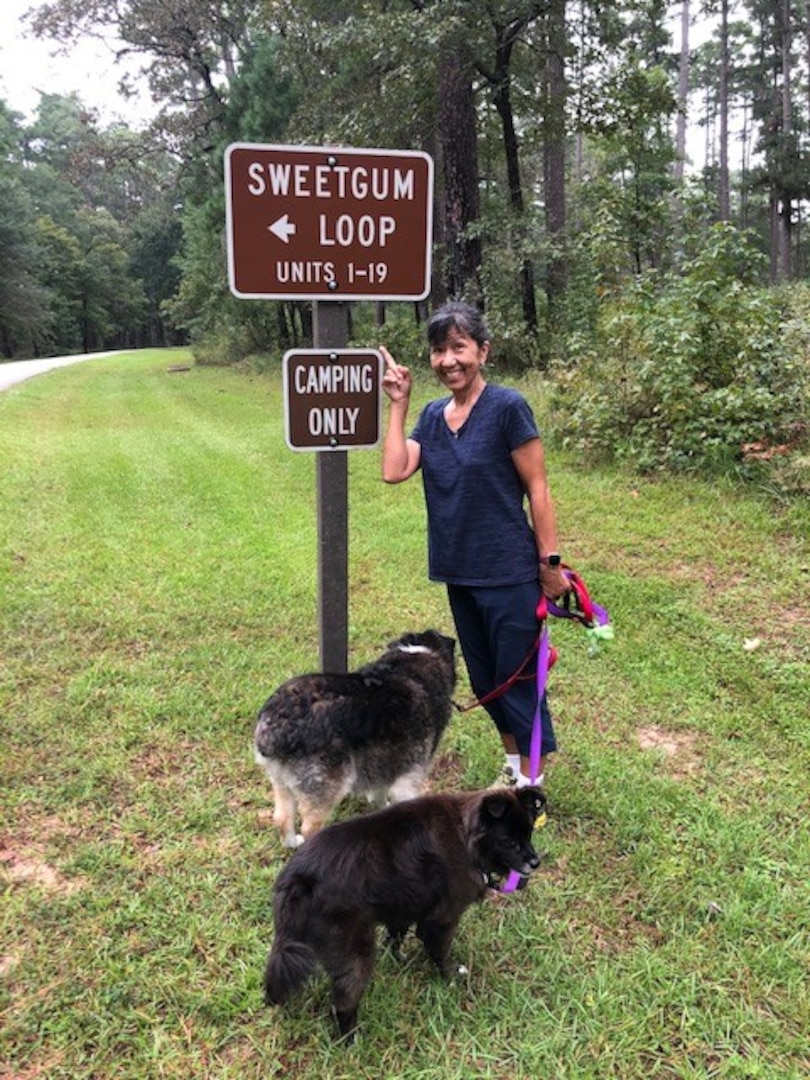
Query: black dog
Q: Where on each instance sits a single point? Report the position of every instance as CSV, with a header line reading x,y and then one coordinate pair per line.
x,y
372,732
420,862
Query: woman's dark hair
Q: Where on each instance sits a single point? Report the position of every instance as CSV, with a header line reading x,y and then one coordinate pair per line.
x,y
456,316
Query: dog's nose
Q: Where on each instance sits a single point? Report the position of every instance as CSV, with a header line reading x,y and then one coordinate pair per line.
x,y
531,861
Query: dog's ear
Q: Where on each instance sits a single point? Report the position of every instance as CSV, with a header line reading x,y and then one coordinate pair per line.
x,y
440,643
532,800
495,805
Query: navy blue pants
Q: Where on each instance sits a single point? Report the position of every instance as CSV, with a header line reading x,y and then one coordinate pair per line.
x,y
496,628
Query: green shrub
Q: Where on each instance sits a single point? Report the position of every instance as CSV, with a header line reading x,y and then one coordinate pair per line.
x,y
688,368
404,338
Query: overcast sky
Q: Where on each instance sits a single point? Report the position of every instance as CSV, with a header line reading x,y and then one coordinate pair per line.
x,y
29,66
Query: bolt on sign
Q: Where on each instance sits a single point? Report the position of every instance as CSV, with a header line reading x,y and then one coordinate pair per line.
x,y
328,223
332,398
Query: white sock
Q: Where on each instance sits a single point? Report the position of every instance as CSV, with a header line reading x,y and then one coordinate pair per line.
x,y
513,763
524,781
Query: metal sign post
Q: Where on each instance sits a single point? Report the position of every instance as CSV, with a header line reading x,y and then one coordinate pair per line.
x,y
331,330
329,224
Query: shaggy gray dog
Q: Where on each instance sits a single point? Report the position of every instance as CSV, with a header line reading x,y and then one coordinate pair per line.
x,y
371,732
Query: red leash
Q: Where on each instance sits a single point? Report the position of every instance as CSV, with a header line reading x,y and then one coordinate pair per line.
x,y
516,676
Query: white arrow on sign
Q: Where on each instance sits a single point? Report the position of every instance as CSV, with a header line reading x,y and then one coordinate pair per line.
x,y
283,228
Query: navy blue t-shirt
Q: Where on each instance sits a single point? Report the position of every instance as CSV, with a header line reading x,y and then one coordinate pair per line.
x,y
478,530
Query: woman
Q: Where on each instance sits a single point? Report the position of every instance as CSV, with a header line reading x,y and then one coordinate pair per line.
x,y
480,454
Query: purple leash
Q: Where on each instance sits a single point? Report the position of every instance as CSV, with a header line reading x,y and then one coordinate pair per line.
x,y
590,614
536,744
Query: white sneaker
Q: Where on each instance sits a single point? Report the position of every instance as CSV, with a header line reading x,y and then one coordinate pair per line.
x,y
523,781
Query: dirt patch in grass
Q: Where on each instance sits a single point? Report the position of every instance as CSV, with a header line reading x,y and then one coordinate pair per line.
x,y
163,762
28,866
33,1071
679,748
712,576
624,935
24,859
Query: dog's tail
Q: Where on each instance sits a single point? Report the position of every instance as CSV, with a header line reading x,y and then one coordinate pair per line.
x,y
289,965
291,960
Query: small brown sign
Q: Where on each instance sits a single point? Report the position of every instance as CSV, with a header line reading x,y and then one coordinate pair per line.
x,y
328,223
332,398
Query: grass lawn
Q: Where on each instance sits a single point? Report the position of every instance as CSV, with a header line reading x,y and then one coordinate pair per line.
x,y
158,580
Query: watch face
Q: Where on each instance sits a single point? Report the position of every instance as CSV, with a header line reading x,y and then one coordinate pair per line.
x,y
554,560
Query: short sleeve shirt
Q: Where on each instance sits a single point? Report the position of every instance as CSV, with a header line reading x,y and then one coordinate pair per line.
x,y
478,529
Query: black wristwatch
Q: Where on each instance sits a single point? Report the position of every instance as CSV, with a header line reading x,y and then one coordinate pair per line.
x,y
551,560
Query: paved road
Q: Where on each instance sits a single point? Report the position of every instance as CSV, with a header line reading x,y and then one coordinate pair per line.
x,y
16,370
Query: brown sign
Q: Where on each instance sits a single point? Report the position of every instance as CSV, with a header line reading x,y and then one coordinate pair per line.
x,y
332,398
328,223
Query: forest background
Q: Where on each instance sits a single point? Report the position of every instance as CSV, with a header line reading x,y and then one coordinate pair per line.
x,y
666,304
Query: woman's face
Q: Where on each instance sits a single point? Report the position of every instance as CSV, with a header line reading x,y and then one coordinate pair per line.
x,y
457,362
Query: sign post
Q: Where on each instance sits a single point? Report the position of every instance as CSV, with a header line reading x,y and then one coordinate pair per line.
x,y
331,327
332,403
329,224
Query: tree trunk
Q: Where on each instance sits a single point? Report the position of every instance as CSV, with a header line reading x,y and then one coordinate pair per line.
x,y
459,156
554,129
774,246
683,95
507,34
503,103
724,197
786,41
781,148
745,139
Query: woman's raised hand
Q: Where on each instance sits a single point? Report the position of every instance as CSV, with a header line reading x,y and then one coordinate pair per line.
x,y
397,379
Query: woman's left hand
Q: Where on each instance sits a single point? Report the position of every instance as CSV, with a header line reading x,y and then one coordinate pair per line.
x,y
553,582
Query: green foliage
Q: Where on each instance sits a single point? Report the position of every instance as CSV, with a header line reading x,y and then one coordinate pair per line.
x,y
687,368
401,333
514,349
88,232
263,95
60,273
367,74
23,302
155,239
